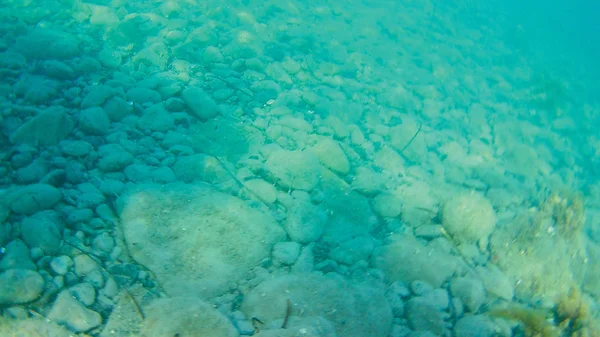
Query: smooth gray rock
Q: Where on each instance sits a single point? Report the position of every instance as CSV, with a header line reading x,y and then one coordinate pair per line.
x,y
75,148
199,103
470,291
61,264
113,157
16,256
104,242
33,198
305,222
286,252
43,230
94,121
47,128
97,96
19,286
422,316
156,118
84,292
475,326
84,265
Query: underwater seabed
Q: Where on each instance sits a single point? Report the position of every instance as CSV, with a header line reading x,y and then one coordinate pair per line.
x,y
279,169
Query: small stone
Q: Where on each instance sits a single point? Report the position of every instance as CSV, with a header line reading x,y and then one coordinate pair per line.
x,y
419,287
79,216
245,327
305,222
46,128
43,230
104,243
90,199
399,289
475,326
111,288
84,292
265,191
163,175
496,283
332,156
354,250
84,265
138,172
16,256
401,331
113,158
286,252
20,286
395,301
68,311
141,95
56,69
33,198
97,96
424,317
61,264
75,148
117,108
94,121
470,291
95,278
387,205
438,298
156,118
200,104
428,232
294,169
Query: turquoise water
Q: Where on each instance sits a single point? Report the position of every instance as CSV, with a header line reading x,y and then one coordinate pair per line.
x,y
289,168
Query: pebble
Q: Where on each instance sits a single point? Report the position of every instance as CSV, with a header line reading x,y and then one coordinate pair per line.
x,y
138,172
419,287
16,255
475,326
394,298
94,121
113,157
142,96
305,222
438,298
470,291
286,253
97,96
43,230
244,327
353,250
199,103
294,169
61,264
85,293
422,316
75,148
84,265
399,288
33,198
79,215
56,69
69,311
103,242
400,331
111,288
90,199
